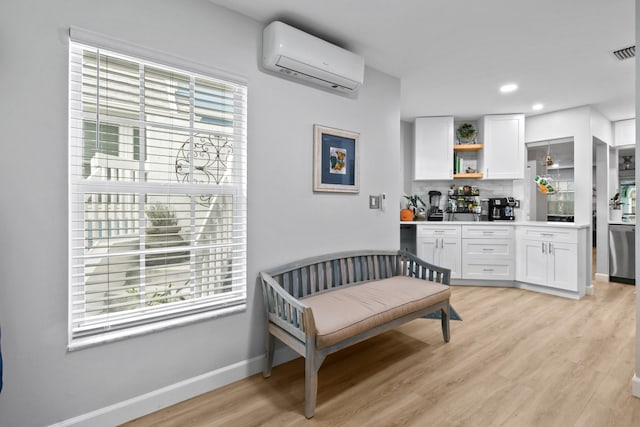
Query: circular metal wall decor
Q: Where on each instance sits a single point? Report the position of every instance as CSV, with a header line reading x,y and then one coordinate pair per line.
x,y
209,159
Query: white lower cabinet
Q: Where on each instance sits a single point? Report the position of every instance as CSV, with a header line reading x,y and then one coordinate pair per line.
x,y
488,253
548,257
440,245
537,255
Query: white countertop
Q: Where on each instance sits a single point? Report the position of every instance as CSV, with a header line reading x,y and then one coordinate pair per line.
x,y
496,223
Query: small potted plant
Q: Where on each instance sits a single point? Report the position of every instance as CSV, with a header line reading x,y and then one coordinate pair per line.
x,y
615,208
413,206
466,134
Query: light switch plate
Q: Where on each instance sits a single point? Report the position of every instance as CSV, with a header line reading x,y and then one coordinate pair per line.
x,y
374,202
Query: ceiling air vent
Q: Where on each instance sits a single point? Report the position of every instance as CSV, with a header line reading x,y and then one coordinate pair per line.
x,y
626,53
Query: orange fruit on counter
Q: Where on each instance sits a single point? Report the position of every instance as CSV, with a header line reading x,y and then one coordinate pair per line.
x,y
406,215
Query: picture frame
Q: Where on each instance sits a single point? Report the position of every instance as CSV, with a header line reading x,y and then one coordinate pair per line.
x,y
336,163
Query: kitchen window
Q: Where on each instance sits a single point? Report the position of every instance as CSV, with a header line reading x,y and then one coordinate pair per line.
x,y
157,175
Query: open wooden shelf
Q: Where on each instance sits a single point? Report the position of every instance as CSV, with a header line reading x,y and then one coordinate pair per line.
x,y
468,147
467,175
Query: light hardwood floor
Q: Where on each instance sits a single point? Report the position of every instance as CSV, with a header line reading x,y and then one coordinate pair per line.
x,y
518,358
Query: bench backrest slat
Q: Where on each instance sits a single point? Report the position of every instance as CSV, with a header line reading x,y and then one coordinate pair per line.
x,y
328,275
295,282
343,273
350,268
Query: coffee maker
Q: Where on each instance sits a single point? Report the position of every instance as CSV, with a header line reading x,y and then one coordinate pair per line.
x,y
501,209
435,213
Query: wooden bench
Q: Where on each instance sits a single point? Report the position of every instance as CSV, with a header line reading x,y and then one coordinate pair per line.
x,y
320,305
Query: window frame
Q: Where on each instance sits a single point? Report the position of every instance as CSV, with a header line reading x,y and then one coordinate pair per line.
x,y
197,311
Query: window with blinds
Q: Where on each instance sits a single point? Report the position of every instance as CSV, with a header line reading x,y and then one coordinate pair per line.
x,y
157,196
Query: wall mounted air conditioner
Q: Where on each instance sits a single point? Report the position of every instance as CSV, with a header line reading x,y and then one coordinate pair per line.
x,y
298,55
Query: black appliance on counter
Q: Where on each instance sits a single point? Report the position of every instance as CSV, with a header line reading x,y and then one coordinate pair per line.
x,y
501,209
435,213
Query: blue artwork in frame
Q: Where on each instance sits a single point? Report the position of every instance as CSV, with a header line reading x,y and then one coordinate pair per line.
x,y
335,160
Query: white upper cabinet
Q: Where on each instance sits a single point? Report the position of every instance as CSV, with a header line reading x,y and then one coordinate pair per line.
x,y
624,132
503,138
433,148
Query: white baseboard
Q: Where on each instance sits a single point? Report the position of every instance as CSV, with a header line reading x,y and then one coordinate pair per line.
x,y
547,290
600,277
590,290
145,404
635,386
523,285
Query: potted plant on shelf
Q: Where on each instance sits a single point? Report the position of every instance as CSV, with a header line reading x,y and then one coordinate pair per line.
x,y
466,134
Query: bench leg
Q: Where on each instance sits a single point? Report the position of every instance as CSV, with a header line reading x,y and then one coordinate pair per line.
x,y
312,361
269,346
310,387
446,314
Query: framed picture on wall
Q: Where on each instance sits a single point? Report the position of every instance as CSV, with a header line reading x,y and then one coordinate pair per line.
x,y
335,160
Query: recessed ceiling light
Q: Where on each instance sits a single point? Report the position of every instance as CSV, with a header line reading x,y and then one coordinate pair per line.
x,y
537,107
508,87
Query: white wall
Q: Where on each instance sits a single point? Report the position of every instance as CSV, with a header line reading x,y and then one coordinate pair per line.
x,y
601,128
407,130
636,378
44,383
602,209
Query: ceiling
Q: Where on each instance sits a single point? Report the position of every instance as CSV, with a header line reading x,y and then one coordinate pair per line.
x,y
452,56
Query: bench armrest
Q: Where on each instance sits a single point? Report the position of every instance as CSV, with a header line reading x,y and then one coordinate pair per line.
x,y
413,266
286,311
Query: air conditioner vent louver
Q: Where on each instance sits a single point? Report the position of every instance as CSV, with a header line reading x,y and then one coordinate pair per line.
x,y
626,53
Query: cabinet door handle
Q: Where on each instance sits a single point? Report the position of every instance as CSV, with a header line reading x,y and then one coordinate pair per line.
x,y
543,247
550,247
487,233
436,243
487,249
487,269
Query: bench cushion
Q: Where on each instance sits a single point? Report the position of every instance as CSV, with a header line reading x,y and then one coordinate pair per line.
x,y
343,313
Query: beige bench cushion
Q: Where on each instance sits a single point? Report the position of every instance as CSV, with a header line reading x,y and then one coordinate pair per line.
x,y
342,313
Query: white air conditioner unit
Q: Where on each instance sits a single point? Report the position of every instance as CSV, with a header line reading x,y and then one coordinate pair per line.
x,y
296,54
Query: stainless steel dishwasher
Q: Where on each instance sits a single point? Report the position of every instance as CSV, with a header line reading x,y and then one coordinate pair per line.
x,y
622,253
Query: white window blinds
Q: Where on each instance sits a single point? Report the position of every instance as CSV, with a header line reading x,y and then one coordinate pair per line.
x,y
157,195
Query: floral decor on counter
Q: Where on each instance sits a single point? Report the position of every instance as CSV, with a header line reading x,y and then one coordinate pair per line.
x,y
413,210
615,211
414,202
615,202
